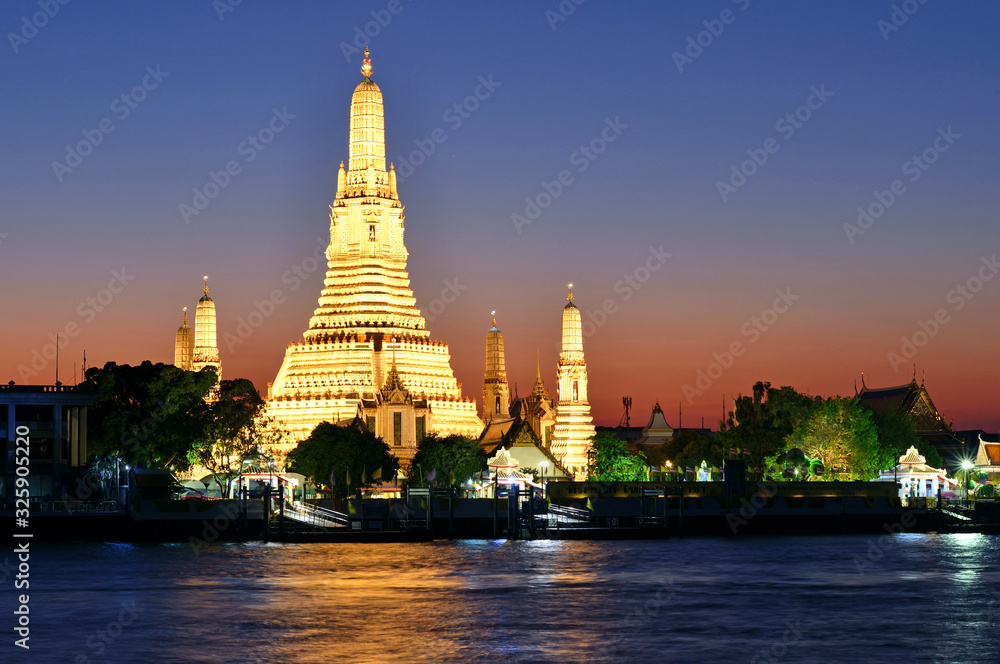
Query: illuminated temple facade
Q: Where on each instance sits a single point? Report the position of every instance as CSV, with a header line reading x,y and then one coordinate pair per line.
x,y
560,431
367,353
573,427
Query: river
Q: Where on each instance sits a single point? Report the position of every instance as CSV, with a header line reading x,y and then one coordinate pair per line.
x,y
906,597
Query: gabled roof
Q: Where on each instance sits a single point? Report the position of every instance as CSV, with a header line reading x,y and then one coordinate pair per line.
x,y
502,459
989,453
911,399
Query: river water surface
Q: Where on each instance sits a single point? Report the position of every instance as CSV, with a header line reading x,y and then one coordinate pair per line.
x,y
909,598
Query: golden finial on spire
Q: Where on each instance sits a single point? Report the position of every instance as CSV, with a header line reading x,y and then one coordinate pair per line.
x,y
570,296
538,363
185,321
206,284
494,314
366,67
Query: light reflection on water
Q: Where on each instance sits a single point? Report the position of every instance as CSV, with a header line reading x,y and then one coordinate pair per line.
x,y
922,597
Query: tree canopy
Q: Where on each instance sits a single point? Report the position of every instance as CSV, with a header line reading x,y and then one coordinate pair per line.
x,y
762,423
609,459
895,431
453,460
842,435
344,458
149,413
237,431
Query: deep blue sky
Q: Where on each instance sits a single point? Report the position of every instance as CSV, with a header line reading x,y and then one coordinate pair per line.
x,y
655,185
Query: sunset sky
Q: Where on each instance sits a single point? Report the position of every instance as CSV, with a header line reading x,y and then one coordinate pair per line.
x,y
843,105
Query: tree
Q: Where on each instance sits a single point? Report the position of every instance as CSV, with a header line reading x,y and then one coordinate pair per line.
x,y
609,459
762,423
697,448
351,454
237,432
453,459
896,434
147,414
841,434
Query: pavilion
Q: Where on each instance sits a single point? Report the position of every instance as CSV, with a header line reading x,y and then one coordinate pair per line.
x,y
915,477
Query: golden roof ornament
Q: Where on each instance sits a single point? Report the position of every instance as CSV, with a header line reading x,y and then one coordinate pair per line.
x,y
366,67
206,284
570,296
185,321
494,314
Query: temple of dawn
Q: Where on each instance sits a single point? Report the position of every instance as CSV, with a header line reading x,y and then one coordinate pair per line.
x,y
367,352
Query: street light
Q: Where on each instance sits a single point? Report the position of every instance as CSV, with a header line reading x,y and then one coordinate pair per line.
x,y
967,465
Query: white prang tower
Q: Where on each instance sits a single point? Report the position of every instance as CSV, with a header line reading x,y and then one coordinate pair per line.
x,y
206,347
496,392
367,322
573,427
183,345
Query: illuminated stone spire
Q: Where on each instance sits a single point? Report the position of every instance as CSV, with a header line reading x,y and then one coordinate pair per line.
x,y
367,313
367,138
573,426
206,347
183,345
496,392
